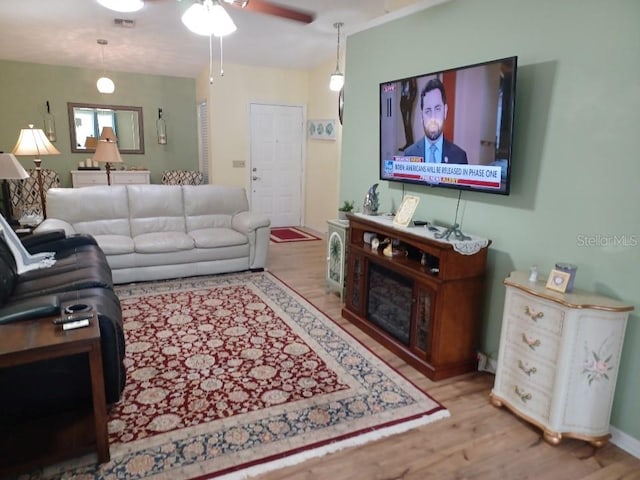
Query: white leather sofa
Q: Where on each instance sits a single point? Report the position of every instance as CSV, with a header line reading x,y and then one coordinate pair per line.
x,y
151,232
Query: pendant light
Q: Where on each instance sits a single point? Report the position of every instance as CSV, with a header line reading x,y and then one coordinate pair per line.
x,y
104,83
337,78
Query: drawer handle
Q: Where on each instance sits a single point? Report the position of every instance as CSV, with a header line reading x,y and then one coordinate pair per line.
x,y
523,396
527,371
532,344
532,313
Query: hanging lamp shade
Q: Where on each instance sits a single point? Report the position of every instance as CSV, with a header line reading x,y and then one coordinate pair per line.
x,y
105,85
336,82
208,18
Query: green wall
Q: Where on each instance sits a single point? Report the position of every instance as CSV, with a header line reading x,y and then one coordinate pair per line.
x,y
575,161
25,87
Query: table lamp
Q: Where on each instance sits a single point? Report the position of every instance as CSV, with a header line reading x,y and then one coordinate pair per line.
x,y
107,151
10,168
33,141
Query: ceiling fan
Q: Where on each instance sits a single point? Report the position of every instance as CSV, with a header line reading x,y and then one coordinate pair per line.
x,y
269,8
261,6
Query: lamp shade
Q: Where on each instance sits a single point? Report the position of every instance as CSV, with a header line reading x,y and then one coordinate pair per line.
x,y
208,18
33,141
11,168
90,142
107,152
108,134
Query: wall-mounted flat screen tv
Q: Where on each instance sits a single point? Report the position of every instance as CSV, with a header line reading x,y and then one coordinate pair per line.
x,y
452,128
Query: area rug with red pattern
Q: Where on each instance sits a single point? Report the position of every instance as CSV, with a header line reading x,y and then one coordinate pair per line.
x,y
233,375
290,234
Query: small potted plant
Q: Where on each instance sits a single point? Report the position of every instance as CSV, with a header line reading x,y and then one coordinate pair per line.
x,y
346,207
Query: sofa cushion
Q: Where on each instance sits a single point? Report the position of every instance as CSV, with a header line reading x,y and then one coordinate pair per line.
x,y
155,209
115,244
98,210
217,237
207,206
162,242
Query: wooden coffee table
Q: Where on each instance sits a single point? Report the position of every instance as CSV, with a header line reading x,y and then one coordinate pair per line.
x,y
68,434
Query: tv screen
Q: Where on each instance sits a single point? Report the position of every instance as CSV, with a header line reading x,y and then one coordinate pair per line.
x,y
450,129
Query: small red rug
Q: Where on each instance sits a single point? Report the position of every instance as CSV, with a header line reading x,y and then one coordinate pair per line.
x,y
290,234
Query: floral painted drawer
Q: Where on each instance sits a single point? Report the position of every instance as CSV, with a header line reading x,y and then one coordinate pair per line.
x,y
558,360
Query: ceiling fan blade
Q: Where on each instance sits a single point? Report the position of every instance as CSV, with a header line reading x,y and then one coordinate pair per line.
x,y
273,9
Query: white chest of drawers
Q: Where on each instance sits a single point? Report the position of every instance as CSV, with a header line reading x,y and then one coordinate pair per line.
x,y
88,178
558,359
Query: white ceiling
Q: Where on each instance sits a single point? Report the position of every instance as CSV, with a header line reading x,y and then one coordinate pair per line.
x,y
64,32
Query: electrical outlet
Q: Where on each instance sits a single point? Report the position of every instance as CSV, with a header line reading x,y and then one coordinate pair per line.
x,y
238,164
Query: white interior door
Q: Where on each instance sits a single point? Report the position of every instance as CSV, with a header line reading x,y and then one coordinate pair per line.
x,y
276,163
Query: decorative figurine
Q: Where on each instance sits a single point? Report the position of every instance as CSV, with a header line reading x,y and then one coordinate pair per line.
x,y
533,277
371,202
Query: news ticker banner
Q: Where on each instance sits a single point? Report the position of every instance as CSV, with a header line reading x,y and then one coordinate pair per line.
x,y
472,175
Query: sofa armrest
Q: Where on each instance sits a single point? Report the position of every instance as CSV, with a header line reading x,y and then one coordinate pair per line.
x,y
36,239
30,308
247,222
55,224
256,228
69,243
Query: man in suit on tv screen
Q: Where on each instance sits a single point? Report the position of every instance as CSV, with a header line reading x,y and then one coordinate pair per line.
x,y
433,147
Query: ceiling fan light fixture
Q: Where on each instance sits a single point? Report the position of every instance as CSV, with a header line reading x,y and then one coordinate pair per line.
x,y
208,18
125,6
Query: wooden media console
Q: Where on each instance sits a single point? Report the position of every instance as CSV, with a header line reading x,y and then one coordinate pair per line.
x,y
424,302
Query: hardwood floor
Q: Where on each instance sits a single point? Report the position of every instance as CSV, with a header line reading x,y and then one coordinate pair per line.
x,y
478,441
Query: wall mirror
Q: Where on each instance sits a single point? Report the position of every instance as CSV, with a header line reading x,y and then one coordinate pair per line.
x,y
86,121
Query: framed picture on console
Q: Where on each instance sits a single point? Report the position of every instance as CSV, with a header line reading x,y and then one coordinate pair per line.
x,y
405,212
558,280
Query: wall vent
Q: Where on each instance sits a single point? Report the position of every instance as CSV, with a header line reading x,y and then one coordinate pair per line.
x,y
124,22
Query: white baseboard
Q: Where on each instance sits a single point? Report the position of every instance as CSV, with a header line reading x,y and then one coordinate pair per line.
x,y
625,441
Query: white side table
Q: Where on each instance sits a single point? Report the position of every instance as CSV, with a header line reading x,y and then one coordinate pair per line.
x,y
337,256
88,178
558,360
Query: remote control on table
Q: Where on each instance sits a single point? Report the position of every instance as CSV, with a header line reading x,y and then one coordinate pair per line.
x,y
73,317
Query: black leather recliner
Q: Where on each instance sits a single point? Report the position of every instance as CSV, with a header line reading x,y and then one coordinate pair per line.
x,y
81,274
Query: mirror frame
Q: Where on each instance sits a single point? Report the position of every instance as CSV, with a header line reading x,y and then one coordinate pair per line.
x,y
72,125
